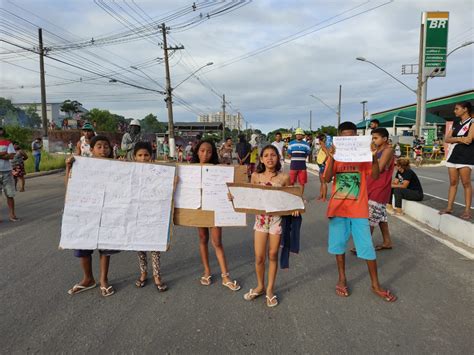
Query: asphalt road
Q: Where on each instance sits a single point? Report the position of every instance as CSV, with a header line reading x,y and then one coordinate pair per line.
x,y
434,313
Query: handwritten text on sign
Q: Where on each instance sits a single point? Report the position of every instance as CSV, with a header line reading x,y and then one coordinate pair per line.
x,y
353,149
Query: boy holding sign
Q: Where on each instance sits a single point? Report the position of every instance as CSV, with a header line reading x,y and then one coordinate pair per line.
x,y
348,209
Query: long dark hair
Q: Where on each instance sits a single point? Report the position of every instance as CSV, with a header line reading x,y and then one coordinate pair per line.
x,y
214,157
261,166
465,104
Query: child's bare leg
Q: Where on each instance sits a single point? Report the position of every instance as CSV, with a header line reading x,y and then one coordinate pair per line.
x,y
342,281
387,240
22,184
324,190
260,246
203,250
104,261
378,290
11,207
86,264
143,264
274,246
216,239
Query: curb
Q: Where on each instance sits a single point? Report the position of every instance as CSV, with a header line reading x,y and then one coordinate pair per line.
x,y
43,173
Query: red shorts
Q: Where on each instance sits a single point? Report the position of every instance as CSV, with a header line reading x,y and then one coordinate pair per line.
x,y
300,175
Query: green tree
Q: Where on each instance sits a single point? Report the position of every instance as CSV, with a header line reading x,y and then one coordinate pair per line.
x,y
103,120
150,124
70,107
34,120
23,136
330,130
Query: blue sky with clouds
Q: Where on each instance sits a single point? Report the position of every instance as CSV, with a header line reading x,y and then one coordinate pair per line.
x,y
270,89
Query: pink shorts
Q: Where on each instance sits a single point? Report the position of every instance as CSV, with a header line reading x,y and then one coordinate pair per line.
x,y
268,224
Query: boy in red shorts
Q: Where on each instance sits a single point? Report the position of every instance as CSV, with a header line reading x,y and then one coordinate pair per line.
x,y
298,151
348,213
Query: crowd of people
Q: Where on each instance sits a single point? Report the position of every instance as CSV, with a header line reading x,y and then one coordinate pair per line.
x,y
360,200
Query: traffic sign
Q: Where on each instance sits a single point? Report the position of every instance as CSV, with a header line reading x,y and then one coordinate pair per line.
x,y
435,43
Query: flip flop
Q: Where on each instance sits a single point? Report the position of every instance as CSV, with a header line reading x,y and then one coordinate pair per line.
x,y
386,295
14,219
205,280
251,295
107,291
79,288
445,212
232,285
382,247
466,216
140,283
272,302
342,291
162,287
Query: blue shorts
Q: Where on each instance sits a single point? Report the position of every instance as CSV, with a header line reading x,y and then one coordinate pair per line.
x,y
322,167
80,253
341,228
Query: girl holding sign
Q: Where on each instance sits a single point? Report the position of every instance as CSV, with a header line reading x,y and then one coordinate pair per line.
x,y
142,152
100,148
206,153
267,227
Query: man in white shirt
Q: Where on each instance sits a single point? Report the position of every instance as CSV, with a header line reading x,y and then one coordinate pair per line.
x,y
7,184
280,145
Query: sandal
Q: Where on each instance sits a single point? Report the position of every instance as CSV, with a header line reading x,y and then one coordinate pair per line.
x,y
141,283
272,302
466,216
14,219
342,291
231,285
80,288
161,286
386,295
107,291
445,211
382,247
205,280
251,295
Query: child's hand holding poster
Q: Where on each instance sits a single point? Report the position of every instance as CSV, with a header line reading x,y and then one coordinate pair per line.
x,y
353,149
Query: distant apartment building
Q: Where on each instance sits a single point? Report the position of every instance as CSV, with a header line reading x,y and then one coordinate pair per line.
x,y
53,111
231,121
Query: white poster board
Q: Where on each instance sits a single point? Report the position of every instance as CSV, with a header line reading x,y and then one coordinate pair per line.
x,y
353,149
204,187
266,199
117,205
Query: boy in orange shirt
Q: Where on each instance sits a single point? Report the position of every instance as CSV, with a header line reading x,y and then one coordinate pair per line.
x,y
348,213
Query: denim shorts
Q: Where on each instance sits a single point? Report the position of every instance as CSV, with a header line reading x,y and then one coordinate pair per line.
x,y
7,183
80,253
341,228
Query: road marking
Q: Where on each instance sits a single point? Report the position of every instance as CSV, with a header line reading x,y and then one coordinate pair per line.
x,y
449,244
430,178
440,198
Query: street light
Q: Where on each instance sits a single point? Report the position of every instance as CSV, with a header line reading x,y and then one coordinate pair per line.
x,y
363,114
362,59
194,72
465,44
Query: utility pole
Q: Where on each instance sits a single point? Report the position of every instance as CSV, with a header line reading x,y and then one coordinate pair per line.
x,y
169,90
238,122
223,117
310,120
420,85
339,107
43,91
298,123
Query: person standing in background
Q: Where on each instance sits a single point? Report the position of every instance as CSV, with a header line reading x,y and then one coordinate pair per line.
x,y
130,138
36,148
7,152
280,145
83,147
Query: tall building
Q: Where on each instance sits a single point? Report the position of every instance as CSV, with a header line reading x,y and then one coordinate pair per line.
x,y
231,121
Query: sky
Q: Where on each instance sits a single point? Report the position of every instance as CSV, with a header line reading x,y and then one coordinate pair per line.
x,y
269,56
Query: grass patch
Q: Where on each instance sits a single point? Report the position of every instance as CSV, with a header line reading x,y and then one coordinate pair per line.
x,y
48,162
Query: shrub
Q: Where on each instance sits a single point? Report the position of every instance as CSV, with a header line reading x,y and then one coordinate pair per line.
x,y
24,136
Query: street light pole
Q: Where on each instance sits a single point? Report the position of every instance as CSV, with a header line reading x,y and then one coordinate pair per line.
x,y
363,115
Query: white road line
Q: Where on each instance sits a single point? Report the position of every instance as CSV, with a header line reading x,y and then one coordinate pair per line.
x,y
430,178
440,198
449,244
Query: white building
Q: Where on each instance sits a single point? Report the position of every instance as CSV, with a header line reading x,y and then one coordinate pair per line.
x,y
53,111
231,121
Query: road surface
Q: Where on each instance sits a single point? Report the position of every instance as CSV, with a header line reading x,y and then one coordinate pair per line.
x,y
434,313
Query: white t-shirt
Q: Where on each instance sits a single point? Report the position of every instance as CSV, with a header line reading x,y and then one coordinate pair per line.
x,y
6,147
279,145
